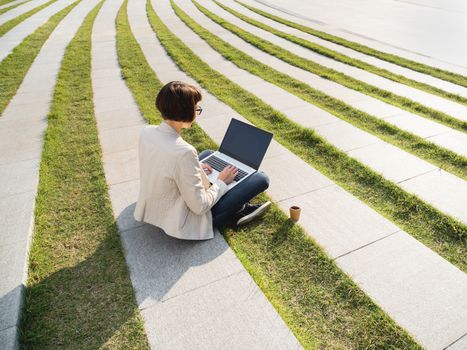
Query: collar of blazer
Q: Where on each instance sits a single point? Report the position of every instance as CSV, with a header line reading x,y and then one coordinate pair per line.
x,y
164,127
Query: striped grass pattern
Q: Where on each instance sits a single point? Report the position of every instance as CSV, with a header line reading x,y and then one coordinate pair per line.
x,y
15,66
326,282
420,147
403,62
340,78
79,294
441,233
5,27
6,9
324,51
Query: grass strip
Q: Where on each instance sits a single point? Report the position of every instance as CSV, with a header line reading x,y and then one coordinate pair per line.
x,y
144,83
4,2
322,50
438,231
6,9
15,66
79,294
7,26
400,61
325,308
422,148
331,74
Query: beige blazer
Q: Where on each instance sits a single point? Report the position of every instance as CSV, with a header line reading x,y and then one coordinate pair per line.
x,y
175,193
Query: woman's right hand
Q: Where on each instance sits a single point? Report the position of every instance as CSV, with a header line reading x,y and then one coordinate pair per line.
x,y
228,174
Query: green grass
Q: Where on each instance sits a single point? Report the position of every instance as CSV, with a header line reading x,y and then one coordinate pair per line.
x,y
322,50
325,308
144,84
78,294
420,147
15,66
340,78
4,2
438,231
400,61
7,26
6,9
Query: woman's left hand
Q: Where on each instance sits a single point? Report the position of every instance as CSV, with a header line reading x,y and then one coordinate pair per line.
x,y
207,168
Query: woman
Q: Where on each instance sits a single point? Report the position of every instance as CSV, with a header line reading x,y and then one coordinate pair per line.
x,y
175,193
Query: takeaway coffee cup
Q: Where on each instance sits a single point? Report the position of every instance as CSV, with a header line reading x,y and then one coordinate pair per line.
x,y
295,213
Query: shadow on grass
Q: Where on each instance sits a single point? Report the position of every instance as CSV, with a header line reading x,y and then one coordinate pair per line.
x,y
282,233
92,304
87,305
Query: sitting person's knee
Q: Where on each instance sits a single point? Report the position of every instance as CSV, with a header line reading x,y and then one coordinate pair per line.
x,y
264,180
205,154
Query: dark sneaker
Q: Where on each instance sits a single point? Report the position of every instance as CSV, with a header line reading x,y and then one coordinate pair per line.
x,y
251,212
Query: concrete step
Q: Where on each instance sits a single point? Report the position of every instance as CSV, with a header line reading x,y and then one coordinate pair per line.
x,y
177,283
305,13
20,10
454,109
382,157
11,3
455,140
22,127
17,34
420,77
339,222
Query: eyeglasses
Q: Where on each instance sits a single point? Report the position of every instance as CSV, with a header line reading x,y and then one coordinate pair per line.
x,y
198,110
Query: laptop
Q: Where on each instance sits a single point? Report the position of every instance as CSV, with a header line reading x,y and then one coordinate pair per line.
x,y
244,147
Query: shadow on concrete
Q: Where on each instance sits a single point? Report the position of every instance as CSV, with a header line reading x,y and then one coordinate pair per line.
x,y
10,307
162,267
92,302
83,306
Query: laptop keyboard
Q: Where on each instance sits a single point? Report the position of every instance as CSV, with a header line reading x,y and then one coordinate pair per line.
x,y
219,165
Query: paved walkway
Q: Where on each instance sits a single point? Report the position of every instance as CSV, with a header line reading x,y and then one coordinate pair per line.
x,y
179,283
441,189
439,134
454,109
19,167
20,10
192,295
12,3
16,35
310,13
348,230
427,79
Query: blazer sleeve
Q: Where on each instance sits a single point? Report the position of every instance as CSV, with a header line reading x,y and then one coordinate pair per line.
x,y
189,182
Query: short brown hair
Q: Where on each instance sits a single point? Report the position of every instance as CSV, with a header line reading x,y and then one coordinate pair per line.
x,y
177,101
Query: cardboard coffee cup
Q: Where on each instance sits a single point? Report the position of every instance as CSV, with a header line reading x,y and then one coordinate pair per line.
x,y
295,213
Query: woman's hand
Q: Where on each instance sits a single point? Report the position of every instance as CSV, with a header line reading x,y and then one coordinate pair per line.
x,y
228,174
206,168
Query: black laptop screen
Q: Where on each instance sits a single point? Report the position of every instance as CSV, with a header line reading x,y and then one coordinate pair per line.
x,y
246,143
